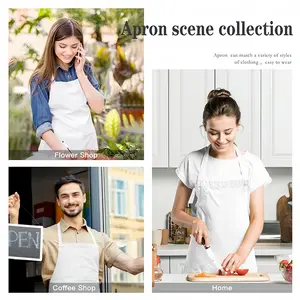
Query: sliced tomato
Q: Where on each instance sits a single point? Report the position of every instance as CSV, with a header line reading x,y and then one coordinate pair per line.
x,y
220,272
242,271
227,272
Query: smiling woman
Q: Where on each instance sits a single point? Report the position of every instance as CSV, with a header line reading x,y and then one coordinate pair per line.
x,y
63,89
227,182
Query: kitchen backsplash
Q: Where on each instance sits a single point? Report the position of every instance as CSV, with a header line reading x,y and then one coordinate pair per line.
x,y
164,184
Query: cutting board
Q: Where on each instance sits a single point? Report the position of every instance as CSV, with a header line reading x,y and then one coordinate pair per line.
x,y
250,277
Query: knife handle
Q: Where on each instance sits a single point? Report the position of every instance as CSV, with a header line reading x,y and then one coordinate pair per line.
x,y
203,243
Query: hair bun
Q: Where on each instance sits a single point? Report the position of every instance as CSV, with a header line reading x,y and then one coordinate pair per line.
x,y
218,93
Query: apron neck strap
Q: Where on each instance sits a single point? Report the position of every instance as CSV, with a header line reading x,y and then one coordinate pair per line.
x,y
60,236
90,232
237,151
206,155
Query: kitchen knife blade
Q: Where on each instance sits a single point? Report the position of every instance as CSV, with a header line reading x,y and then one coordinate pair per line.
x,y
212,257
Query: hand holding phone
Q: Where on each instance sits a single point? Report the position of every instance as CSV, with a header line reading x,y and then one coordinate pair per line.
x,y
79,59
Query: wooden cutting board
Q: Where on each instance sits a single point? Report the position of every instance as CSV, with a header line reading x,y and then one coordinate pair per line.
x,y
250,277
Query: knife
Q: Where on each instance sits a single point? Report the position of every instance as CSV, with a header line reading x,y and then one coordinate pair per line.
x,y
63,142
211,255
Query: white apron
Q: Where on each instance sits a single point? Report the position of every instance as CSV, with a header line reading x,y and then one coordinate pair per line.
x,y
224,207
71,117
77,263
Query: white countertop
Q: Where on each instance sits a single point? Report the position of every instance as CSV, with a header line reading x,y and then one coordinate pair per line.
x,y
177,283
265,249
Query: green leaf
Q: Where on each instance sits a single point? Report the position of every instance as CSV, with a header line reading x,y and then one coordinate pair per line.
x,y
121,147
11,23
44,13
107,151
112,145
125,139
30,27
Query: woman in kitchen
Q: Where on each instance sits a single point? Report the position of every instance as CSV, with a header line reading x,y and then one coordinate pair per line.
x,y
228,206
63,89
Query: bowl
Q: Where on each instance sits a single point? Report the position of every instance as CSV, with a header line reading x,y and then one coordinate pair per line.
x,y
285,265
287,275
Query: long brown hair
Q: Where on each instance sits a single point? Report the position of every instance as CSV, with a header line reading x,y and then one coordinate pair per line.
x,y
61,29
220,103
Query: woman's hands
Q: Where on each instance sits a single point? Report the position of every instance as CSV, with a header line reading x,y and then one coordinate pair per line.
x,y
199,232
233,261
80,60
14,207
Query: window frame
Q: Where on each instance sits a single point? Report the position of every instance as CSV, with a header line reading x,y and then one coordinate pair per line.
x,y
114,191
137,201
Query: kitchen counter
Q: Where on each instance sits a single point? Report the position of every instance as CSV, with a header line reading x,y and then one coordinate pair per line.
x,y
261,249
178,283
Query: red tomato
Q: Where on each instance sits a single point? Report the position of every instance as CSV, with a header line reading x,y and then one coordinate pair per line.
x,y
228,272
242,271
284,262
220,272
289,268
157,259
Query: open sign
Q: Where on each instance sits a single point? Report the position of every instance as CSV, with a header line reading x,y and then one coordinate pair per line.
x,y
25,242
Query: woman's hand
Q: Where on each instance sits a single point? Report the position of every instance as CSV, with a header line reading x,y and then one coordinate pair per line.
x,y
233,261
199,231
14,207
80,60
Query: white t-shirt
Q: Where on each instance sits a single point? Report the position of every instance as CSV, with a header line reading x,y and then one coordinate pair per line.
x,y
223,169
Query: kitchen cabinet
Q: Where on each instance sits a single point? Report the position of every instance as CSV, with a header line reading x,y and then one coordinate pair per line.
x,y
264,97
277,118
177,265
244,86
165,264
160,118
172,264
267,264
188,90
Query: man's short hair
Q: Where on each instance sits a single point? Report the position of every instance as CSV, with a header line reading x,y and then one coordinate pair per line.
x,y
66,180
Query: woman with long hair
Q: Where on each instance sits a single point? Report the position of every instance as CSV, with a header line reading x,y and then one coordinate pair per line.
x,y
63,89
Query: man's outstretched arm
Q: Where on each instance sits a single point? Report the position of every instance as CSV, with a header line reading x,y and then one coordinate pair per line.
x,y
131,265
